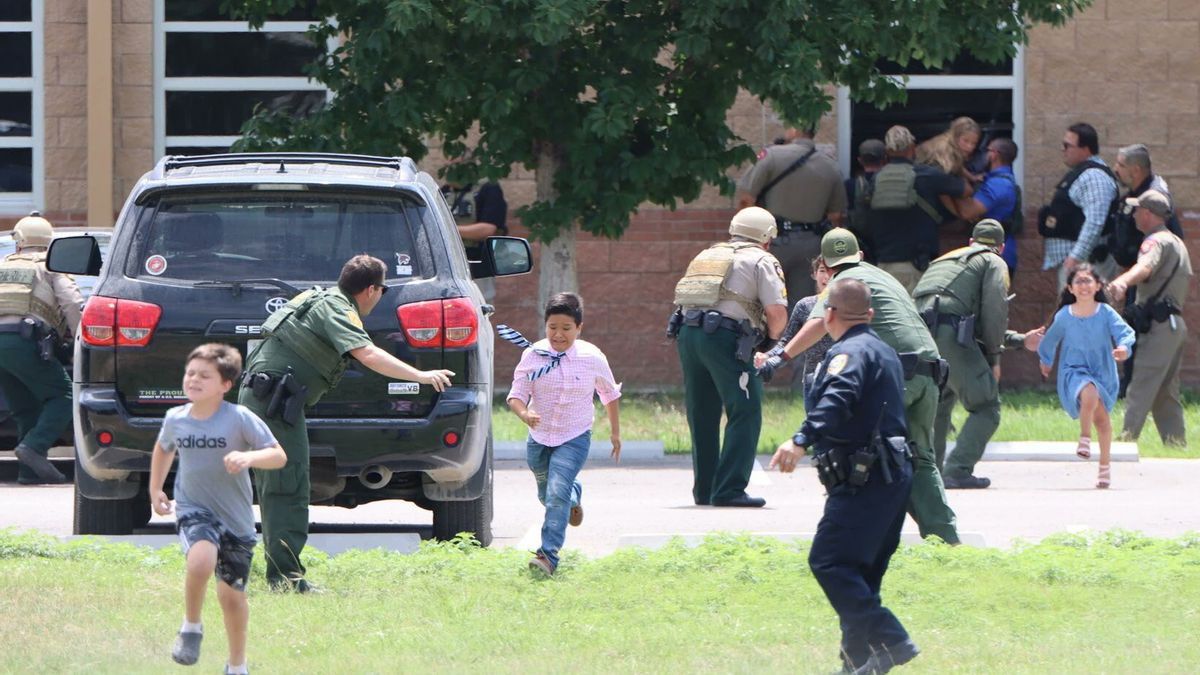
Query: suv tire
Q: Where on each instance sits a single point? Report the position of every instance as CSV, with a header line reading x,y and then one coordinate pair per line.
x,y
109,516
473,516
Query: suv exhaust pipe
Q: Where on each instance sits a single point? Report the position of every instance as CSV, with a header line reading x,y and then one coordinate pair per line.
x,y
375,476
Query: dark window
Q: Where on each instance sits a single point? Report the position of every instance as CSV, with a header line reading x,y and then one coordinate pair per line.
x,y
964,64
16,10
224,112
197,150
16,170
210,10
292,237
16,113
239,54
16,54
928,112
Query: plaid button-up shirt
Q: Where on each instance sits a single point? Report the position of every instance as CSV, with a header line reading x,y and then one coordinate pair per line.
x,y
1092,192
563,396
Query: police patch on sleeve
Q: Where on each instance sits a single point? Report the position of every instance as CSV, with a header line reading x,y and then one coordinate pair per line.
x,y
838,363
352,317
1148,245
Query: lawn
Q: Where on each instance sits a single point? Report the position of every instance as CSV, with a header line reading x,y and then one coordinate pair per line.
x,y
1116,602
1027,415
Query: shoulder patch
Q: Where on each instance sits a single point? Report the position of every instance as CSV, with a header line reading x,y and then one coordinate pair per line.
x,y
1148,245
838,363
762,153
352,317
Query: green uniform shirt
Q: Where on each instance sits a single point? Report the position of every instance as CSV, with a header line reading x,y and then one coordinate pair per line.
x,y
334,321
896,319
970,280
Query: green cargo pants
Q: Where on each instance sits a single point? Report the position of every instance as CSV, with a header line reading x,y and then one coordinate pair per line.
x,y
283,496
715,381
927,502
38,394
972,382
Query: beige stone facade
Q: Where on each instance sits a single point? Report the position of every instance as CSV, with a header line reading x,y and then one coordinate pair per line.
x,y
1129,67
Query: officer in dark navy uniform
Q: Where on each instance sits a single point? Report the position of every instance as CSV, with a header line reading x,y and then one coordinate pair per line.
x,y
856,433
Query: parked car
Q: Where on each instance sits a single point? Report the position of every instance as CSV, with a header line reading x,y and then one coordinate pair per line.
x,y
8,246
206,247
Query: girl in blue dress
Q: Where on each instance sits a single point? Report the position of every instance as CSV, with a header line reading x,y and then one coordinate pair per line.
x,y
1094,338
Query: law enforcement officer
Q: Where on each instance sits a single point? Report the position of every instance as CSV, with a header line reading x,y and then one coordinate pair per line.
x,y
39,310
803,189
480,211
1074,219
856,433
963,298
1162,274
307,346
731,296
998,198
899,325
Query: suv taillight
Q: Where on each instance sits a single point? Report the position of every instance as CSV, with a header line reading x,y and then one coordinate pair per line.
x,y
108,322
439,323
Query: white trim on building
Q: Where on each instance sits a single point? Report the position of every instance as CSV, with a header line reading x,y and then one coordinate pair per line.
x,y
21,203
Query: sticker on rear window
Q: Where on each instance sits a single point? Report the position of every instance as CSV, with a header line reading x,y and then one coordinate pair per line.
x,y
156,265
404,388
403,265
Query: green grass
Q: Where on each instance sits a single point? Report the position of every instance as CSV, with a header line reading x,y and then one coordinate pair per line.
x,y
1026,415
1117,602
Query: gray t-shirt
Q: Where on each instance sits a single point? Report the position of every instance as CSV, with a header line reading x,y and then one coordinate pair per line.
x,y
201,481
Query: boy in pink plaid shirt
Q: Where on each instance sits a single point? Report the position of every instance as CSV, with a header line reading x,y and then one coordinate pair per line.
x,y
552,394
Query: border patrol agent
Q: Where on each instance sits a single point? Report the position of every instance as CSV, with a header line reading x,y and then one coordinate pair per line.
x,y
39,310
1162,274
803,189
856,433
897,323
963,298
730,298
307,345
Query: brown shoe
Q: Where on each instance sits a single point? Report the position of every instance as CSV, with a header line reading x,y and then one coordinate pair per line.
x,y
576,515
541,563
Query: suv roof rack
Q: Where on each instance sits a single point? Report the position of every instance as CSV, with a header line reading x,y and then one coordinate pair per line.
x,y
180,161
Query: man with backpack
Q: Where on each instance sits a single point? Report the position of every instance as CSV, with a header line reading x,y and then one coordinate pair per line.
x,y
802,188
905,208
998,198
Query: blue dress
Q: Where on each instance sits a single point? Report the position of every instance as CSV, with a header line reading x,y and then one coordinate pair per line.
x,y
1086,356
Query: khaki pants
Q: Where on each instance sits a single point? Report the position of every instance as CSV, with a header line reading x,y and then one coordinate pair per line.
x,y
1154,387
905,272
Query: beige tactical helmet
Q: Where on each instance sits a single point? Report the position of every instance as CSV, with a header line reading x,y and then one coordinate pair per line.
x,y
754,223
33,230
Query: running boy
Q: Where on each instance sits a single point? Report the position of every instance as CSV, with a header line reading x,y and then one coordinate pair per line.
x,y
552,394
216,442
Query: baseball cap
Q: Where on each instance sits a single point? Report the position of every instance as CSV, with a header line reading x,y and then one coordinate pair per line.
x,y
872,148
839,246
1153,201
988,232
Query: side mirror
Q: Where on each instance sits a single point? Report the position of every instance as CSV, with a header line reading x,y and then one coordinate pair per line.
x,y
503,256
74,255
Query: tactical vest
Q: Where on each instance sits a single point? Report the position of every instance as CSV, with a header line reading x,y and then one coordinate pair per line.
x,y
284,325
22,293
1121,236
895,188
941,280
462,207
703,284
1061,218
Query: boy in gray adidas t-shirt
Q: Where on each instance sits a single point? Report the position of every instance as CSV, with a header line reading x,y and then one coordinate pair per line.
x,y
217,442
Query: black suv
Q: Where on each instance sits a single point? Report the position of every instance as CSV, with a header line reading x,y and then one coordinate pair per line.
x,y
206,247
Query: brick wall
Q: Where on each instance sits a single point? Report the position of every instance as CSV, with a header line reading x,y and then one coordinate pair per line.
x,y
133,91
65,119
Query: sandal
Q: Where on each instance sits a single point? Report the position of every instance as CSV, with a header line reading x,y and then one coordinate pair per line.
x,y
1105,478
1084,449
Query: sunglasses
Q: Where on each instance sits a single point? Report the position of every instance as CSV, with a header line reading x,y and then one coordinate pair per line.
x,y
1068,146
382,289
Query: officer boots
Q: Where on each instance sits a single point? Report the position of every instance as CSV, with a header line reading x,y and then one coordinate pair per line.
x,y
39,464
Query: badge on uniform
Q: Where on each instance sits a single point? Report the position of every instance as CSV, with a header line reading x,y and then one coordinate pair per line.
x,y
837,364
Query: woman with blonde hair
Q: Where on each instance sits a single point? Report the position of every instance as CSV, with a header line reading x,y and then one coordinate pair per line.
x,y
950,149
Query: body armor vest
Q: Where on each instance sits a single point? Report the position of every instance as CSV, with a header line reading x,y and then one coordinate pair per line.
x,y
1061,218
284,325
23,293
942,280
703,284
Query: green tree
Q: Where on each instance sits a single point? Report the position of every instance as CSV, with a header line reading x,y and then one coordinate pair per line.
x,y
611,102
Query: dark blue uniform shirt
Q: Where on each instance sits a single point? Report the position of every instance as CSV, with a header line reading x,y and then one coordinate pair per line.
x,y
860,375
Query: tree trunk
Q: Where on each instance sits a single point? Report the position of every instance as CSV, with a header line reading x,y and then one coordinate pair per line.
x,y
557,264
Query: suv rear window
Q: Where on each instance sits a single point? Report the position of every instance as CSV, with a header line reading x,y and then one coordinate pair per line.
x,y
287,236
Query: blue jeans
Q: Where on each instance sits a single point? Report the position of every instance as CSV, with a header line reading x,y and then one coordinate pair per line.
x,y
555,469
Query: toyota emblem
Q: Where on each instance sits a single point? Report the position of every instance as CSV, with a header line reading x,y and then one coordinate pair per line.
x,y
275,303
